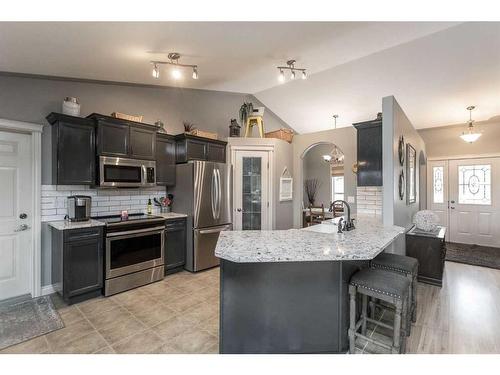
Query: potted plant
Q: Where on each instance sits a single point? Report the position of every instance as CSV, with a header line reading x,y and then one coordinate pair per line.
x,y
188,126
246,110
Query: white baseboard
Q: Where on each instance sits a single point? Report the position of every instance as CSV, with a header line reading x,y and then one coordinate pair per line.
x,y
49,289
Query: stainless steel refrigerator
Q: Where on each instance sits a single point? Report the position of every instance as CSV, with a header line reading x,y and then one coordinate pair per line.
x,y
203,190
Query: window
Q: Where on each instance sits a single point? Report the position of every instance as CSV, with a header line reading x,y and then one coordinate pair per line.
x,y
437,183
474,184
337,188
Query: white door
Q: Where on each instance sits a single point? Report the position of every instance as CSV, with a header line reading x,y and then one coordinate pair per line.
x,y
474,194
437,190
16,199
251,190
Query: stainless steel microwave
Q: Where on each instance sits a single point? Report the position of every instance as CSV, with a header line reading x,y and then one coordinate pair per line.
x,y
123,172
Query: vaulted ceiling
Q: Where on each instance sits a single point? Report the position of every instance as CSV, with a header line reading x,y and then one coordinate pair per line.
x,y
435,69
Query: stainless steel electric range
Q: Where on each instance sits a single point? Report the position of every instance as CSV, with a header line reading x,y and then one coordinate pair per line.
x,y
134,251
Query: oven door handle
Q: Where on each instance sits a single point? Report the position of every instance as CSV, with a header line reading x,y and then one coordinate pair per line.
x,y
116,234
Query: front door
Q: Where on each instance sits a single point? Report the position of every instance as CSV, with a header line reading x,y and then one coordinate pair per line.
x,y
474,201
251,190
16,197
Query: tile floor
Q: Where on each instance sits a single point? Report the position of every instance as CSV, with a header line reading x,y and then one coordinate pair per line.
x,y
181,315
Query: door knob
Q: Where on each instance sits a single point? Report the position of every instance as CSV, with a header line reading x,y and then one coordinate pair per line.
x,y
238,209
452,208
23,216
452,201
22,228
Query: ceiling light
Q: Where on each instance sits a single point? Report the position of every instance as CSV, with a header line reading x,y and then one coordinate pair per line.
x,y
281,76
291,67
156,71
327,158
470,135
176,72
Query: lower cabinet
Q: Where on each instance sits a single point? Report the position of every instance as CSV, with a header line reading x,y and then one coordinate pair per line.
x,y
175,245
77,263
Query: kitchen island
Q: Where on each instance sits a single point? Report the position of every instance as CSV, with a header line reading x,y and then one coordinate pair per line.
x,y
286,291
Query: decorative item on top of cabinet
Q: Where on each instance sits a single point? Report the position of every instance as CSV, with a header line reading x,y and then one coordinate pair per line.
x,y
369,147
73,150
124,116
283,134
234,128
246,110
71,107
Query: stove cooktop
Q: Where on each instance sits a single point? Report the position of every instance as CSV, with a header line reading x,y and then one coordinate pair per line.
x,y
132,218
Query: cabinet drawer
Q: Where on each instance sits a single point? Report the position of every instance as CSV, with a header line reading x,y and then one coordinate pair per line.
x,y
82,234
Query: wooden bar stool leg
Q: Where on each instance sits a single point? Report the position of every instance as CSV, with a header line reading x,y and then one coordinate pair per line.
x,y
247,128
352,325
414,300
364,313
397,328
404,333
261,127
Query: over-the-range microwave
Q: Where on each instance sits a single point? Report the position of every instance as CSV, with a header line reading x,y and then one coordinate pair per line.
x,y
124,172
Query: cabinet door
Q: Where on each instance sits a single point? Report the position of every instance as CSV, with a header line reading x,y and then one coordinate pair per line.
x,y
75,154
196,150
175,244
165,161
112,139
83,266
370,156
216,152
142,143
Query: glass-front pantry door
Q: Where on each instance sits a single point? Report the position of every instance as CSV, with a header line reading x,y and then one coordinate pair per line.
x,y
251,179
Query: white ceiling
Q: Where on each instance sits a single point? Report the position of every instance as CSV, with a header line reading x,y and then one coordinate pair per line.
x,y
434,69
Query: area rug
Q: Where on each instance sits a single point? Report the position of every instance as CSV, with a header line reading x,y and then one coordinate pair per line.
x,y
25,320
473,254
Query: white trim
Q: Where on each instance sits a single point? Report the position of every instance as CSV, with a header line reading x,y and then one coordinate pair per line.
x,y
470,156
35,131
48,289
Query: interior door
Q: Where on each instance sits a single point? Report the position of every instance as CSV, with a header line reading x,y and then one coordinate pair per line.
x,y
251,187
474,201
16,199
437,190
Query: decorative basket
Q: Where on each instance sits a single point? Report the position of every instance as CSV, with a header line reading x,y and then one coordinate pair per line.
x,y
124,116
201,133
283,134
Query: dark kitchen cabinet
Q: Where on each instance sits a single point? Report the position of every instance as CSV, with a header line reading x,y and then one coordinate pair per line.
x,y
175,245
77,263
430,250
369,140
122,138
165,160
73,150
190,147
142,143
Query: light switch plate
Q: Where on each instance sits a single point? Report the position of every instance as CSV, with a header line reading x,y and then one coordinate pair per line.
x,y
350,199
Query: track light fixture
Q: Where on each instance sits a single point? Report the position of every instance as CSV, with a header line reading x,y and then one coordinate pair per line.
x,y
290,66
173,59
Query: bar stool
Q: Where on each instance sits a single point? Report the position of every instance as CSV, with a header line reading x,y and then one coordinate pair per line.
x,y
254,121
406,266
389,287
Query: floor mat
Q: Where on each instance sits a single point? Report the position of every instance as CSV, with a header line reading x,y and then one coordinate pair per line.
x,y
473,254
25,320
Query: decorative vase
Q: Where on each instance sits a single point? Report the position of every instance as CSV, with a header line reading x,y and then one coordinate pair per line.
x,y
426,220
234,128
165,209
71,106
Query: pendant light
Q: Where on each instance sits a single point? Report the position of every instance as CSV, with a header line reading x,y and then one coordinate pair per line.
x,y
470,135
336,157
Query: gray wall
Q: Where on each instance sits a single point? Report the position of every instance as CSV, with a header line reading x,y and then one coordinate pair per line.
x,y
394,124
315,167
445,142
26,98
345,139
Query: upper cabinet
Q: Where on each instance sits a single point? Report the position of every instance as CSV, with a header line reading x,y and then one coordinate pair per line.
x,y
369,139
190,147
122,138
73,150
165,159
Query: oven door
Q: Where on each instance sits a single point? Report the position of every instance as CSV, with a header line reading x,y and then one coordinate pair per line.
x,y
122,172
134,250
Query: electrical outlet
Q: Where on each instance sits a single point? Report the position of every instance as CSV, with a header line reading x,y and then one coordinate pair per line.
x,y
350,199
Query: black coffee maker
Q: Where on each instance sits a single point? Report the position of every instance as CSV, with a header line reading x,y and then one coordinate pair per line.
x,y
79,207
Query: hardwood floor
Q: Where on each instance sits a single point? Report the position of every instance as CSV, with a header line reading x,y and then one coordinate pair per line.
x,y
459,318
180,315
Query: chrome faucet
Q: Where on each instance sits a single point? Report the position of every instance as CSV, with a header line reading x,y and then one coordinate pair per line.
x,y
348,222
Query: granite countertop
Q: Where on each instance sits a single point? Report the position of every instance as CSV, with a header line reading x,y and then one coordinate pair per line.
x,y
65,224
169,215
317,243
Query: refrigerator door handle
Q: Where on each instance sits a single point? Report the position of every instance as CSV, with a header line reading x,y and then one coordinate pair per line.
x,y
215,230
213,193
219,194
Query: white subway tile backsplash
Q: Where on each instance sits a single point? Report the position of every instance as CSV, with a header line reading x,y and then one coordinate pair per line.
x,y
104,201
369,200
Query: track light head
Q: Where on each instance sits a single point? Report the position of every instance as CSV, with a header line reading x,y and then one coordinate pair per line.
x,y
195,72
281,76
176,73
156,71
304,74
292,76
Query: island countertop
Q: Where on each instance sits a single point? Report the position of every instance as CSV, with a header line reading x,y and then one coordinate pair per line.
x,y
316,243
